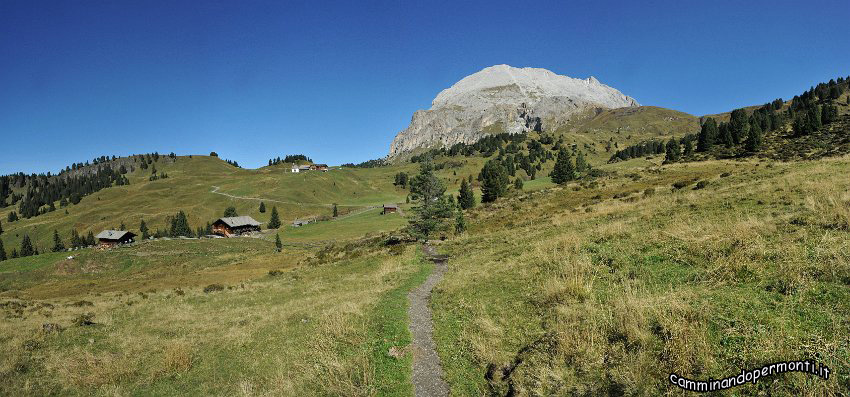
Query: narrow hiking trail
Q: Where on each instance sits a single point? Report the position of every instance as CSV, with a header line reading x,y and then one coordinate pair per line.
x,y
216,188
427,371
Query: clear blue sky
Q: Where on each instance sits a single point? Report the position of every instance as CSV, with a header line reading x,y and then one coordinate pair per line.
x,y
337,80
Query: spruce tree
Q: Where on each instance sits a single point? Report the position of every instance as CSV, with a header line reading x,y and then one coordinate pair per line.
x,y
274,222
460,222
90,241
123,226
143,228
2,252
230,212
180,226
753,143
563,171
277,242
581,163
1,227
707,135
726,135
466,198
672,151
494,181
26,247
262,207
336,211
433,209
689,147
58,246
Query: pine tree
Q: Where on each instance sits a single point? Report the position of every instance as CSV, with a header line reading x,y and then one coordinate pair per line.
x,y
494,181
753,143
58,246
707,135
277,242
1,227
2,252
466,198
689,147
518,184
26,247
230,212
262,207
672,151
90,241
460,222
726,135
123,226
563,171
180,226
143,228
581,163
274,222
433,209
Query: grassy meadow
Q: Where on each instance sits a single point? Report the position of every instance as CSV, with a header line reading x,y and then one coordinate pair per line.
x,y
608,290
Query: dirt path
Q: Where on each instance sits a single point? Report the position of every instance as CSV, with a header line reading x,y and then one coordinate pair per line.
x,y
427,371
216,188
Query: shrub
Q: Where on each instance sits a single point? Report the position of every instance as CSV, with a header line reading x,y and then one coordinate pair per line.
x,y
213,288
275,273
701,185
681,184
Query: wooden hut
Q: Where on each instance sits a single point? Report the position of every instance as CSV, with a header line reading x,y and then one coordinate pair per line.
x,y
390,208
235,225
111,238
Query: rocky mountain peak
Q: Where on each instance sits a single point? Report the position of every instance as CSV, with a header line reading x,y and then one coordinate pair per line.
x,y
502,98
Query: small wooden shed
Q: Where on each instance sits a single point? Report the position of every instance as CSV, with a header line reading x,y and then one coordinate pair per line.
x,y
390,208
235,225
111,238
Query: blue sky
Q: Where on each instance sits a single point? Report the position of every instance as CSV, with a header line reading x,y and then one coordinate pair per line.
x,y
337,80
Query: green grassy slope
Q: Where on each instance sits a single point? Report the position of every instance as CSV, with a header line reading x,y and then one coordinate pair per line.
x,y
609,290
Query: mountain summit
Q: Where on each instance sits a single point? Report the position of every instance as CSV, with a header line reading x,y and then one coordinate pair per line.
x,y
500,99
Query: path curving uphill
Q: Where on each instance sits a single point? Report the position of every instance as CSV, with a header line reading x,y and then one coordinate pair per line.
x,y
427,370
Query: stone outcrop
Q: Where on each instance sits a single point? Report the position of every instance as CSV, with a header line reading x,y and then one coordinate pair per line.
x,y
504,99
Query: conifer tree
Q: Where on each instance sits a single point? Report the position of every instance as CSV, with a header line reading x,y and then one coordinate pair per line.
x,y
726,135
460,222
180,226
753,143
689,147
494,181
466,198
277,242
2,251
564,170
90,241
518,184
143,228
707,135
262,207
673,151
433,209
581,163
26,247
336,211
1,227
274,222
58,246
123,226
230,212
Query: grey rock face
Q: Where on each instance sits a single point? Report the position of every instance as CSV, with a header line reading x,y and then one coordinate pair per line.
x,y
500,99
